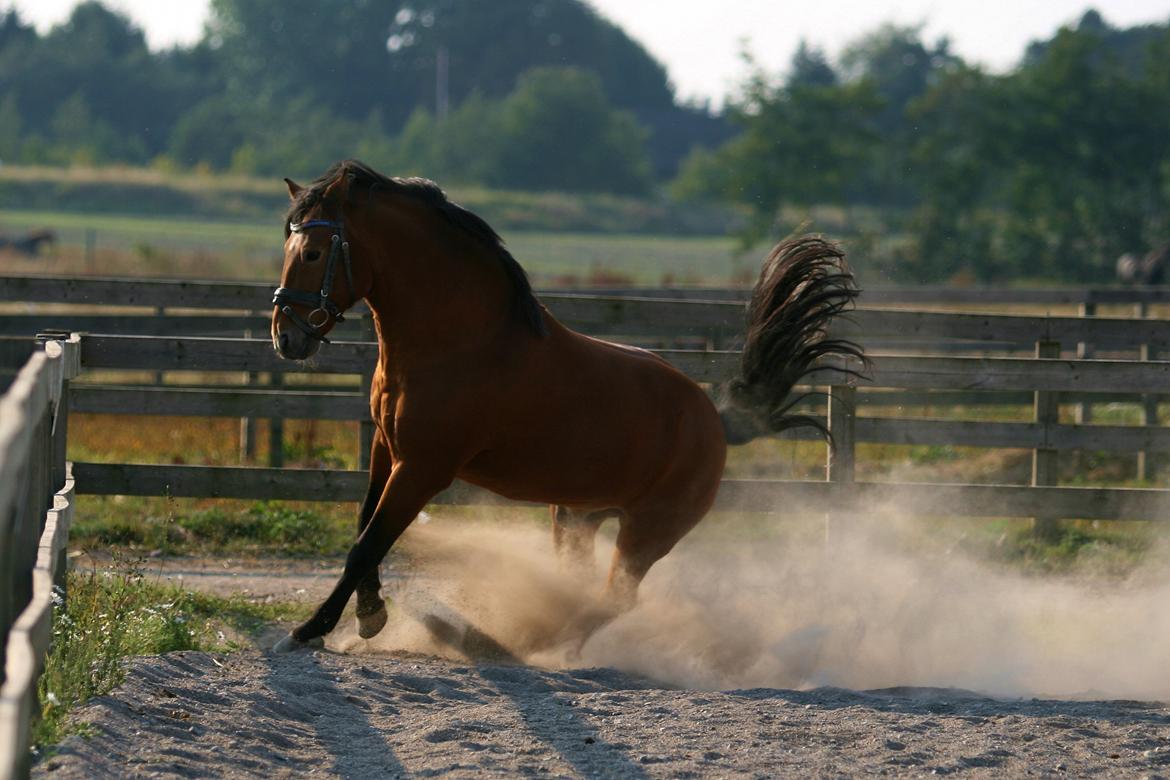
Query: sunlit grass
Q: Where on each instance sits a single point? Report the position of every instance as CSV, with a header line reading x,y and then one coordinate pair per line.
x,y
111,615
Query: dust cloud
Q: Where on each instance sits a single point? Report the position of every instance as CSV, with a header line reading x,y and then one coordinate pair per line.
x,y
735,608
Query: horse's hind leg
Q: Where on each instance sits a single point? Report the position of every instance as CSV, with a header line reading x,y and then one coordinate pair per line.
x,y
645,537
573,536
371,608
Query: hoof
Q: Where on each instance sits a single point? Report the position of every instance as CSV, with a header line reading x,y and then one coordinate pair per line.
x,y
289,645
370,625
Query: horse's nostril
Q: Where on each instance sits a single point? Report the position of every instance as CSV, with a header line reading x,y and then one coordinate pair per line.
x,y
282,339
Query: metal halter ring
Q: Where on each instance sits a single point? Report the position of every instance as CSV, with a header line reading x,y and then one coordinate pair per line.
x,y
317,318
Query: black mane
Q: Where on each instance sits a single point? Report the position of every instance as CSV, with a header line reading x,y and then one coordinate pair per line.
x,y
366,179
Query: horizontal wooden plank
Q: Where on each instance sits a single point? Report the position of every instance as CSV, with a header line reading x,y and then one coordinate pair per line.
x,y
135,291
936,373
1110,332
353,406
219,402
1019,435
132,291
951,373
215,354
737,495
630,313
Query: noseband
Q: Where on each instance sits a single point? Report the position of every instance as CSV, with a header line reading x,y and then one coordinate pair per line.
x,y
323,308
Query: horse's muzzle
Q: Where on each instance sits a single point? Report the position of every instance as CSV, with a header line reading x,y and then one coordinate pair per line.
x,y
294,345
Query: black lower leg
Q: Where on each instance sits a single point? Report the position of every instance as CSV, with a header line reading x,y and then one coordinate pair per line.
x,y
369,597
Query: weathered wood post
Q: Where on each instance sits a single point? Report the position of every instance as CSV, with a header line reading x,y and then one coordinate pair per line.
x,y
841,459
276,428
1046,406
248,424
1084,410
70,362
1146,461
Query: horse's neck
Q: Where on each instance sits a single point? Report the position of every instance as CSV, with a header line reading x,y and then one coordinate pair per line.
x,y
433,296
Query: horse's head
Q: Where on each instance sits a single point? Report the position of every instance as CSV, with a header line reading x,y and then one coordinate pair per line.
x,y
316,283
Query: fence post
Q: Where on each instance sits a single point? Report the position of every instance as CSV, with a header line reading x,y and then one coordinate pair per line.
x,y
248,424
276,428
1084,410
59,435
1044,460
1146,461
841,459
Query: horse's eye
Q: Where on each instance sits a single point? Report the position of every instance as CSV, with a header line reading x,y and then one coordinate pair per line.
x,y
312,255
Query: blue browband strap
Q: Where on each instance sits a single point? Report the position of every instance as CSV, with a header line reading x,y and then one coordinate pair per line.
x,y
300,227
324,309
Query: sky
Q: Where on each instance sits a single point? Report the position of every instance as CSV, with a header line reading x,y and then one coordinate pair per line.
x,y
700,41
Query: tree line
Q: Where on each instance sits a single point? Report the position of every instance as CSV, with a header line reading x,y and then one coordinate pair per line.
x,y
512,93
1050,170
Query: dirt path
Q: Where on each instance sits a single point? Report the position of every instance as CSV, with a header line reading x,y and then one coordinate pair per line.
x,y
250,715
858,615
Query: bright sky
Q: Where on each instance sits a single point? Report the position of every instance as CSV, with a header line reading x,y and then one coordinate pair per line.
x,y
699,40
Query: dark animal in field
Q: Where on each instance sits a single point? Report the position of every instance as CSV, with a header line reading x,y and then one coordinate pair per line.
x,y
1150,269
29,244
477,381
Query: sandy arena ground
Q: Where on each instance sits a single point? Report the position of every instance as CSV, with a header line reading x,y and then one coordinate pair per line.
x,y
251,715
745,657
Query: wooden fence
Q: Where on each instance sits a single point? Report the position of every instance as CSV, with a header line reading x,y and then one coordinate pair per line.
x,y
36,500
898,380
975,359
1043,376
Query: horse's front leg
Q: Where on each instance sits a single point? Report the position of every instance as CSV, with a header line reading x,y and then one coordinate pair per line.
x,y
371,609
407,491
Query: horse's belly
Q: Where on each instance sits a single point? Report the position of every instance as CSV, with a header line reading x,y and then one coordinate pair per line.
x,y
547,479
603,457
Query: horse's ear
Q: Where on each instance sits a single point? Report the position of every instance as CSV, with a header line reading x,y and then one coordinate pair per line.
x,y
294,189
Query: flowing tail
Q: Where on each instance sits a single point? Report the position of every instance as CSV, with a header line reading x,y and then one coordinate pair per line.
x,y
804,283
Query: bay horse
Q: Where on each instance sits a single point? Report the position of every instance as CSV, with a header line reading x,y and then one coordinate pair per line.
x,y
477,381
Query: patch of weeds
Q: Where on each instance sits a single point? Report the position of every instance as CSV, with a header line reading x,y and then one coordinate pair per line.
x,y
110,615
1075,546
263,527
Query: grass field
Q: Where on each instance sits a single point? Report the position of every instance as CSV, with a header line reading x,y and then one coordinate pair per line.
x,y
194,248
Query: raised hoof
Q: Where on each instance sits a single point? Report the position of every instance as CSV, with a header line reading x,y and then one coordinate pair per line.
x,y
290,645
370,625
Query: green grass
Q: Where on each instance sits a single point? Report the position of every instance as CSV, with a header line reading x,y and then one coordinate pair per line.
x,y
171,527
1077,547
201,248
109,616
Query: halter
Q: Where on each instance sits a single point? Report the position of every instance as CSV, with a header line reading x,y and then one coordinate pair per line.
x,y
324,309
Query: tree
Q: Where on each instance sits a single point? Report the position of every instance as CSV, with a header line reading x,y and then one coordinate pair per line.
x,y
1050,171
801,144
900,69
559,132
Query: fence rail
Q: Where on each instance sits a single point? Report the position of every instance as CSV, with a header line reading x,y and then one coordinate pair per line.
x,y
612,312
134,291
36,493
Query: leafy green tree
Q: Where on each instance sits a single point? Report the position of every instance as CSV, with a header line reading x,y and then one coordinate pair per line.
x,y
1051,171
10,128
801,144
900,68
464,147
559,132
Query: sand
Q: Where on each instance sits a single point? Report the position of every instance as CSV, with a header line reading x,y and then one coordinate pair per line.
x,y
247,715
